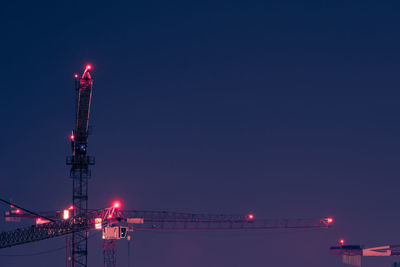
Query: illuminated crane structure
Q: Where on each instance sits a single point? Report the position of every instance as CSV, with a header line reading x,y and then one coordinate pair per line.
x,y
80,161
352,254
114,222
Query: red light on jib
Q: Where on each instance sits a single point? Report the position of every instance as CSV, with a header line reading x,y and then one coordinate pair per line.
x,y
341,241
88,67
76,76
117,205
250,216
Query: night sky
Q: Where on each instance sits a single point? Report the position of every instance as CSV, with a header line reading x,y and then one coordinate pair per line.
x,y
284,109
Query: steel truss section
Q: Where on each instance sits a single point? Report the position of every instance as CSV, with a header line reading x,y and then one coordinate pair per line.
x,y
162,220
40,232
109,253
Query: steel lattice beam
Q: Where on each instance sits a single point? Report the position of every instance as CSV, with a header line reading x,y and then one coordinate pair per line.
x,y
109,253
40,232
162,220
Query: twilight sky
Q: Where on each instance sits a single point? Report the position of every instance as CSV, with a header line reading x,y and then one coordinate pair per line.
x,y
282,108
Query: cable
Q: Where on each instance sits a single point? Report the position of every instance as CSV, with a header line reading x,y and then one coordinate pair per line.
x,y
33,254
31,212
43,252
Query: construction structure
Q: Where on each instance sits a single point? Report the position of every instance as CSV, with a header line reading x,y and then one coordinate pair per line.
x,y
77,220
353,254
116,223
80,162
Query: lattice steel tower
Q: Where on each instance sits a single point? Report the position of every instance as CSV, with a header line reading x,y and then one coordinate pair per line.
x,y
80,162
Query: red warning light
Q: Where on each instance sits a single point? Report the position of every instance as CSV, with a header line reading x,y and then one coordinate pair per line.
x,y
71,207
72,137
117,205
76,76
88,67
250,216
341,241
18,211
329,220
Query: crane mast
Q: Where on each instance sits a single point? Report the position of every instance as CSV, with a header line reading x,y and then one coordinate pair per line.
x,y
80,162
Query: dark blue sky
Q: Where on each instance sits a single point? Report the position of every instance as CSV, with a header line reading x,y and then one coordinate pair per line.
x,y
286,109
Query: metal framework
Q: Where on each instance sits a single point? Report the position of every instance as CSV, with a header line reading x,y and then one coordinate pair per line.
x,y
164,220
83,220
46,230
40,232
150,220
80,172
352,254
109,252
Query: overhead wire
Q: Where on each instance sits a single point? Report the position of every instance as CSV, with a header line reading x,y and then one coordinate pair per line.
x,y
31,212
44,252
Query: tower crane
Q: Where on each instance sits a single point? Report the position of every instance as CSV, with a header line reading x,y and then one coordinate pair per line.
x,y
77,220
352,254
115,224
80,162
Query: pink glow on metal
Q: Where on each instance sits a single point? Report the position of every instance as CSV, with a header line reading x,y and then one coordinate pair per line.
x,y
76,76
41,221
250,216
110,216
